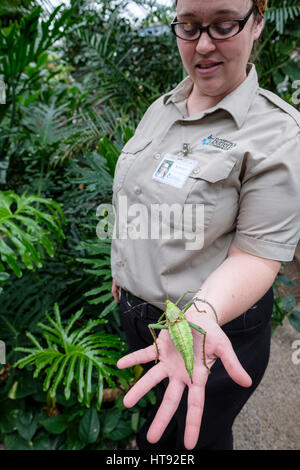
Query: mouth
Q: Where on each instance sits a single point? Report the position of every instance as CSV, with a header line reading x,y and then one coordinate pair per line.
x,y
209,67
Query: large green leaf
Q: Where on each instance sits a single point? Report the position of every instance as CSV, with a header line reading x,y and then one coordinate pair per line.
x,y
89,426
27,423
115,427
294,319
55,424
15,442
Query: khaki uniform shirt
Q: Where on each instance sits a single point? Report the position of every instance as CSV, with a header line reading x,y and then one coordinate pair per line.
x,y
245,173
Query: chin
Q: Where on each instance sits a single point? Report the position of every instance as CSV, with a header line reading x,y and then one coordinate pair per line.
x,y
211,87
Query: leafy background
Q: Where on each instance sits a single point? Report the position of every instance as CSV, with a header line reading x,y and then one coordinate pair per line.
x,y
78,79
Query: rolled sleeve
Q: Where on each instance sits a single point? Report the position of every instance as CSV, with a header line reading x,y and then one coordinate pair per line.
x,y
268,223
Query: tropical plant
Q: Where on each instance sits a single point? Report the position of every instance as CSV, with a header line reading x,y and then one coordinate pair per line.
x,y
79,83
26,231
276,54
24,43
73,356
98,257
284,306
282,13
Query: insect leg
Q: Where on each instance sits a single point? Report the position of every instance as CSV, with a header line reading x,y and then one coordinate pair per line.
x,y
151,328
187,306
184,294
135,306
203,332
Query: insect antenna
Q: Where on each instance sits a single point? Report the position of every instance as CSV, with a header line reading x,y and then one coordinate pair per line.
x,y
167,284
143,303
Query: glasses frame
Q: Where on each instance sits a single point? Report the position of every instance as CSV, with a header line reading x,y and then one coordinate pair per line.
x,y
241,23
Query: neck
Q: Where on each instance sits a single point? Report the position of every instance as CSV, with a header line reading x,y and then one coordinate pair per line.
x,y
198,102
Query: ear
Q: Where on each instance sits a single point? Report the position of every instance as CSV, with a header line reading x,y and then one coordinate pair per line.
x,y
258,28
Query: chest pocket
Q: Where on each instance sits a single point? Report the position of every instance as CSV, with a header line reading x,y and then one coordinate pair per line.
x,y
130,152
206,183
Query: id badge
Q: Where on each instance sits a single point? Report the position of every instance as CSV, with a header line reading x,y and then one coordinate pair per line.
x,y
174,170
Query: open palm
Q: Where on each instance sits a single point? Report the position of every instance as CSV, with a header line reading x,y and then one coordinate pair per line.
x,y
171,365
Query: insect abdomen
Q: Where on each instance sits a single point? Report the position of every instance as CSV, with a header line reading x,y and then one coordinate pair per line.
x,y
182,338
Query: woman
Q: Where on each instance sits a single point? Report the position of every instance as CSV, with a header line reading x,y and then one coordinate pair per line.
x,y
235,149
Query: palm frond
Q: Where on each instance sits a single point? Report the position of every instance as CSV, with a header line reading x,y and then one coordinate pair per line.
x,y
47,123
24,232
281,15
73,357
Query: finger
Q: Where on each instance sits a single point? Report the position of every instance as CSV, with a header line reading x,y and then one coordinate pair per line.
x,y
137,357
155,375
166,410
113,291
194,415
232,365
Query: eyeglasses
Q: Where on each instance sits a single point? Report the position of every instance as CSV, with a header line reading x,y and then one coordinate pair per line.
x,y
223,29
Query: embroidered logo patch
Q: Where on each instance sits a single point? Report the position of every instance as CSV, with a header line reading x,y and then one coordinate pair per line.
x,y
217,142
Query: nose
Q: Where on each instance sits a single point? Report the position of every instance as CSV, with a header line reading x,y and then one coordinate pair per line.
x,y
205,44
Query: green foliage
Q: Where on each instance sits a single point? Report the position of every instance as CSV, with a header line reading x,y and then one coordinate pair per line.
x,y
78,80
284,307
26,42
25,230
98,258
282,12
276,58
26,425
73,356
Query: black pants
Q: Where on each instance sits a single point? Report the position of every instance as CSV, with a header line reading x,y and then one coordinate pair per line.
x,y
250,335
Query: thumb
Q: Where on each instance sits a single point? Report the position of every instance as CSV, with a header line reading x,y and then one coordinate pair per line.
x,y
232,365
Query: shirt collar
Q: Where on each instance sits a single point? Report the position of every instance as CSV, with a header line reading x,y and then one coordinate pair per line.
x,y
237,103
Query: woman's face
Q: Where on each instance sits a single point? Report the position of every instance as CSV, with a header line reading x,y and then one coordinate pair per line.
x,y
233,53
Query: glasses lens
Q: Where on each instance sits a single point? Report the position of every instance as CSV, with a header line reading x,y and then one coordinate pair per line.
x,y
186,31
224,29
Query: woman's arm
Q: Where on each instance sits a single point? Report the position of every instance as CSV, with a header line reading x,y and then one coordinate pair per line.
x,y
237,284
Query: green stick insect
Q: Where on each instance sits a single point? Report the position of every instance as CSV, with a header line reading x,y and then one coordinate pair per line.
x,y
180,331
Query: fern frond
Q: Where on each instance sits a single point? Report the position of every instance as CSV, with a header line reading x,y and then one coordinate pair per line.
x,y
74,357
281,15
27,229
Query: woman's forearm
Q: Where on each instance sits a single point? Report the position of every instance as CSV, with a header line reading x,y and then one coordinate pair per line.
x,y
237,284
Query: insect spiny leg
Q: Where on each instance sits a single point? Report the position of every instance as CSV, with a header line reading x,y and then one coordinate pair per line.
x,y
155,342
203,351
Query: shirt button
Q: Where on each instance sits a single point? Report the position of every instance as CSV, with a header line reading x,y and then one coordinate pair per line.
x,y
196,170
138,191
157,156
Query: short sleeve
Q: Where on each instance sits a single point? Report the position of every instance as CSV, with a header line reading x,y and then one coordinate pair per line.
x,y
268,223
